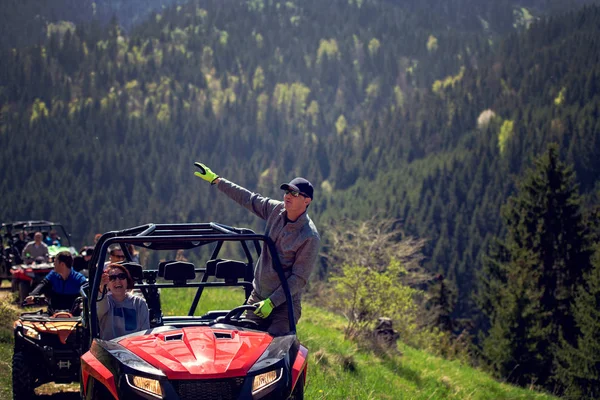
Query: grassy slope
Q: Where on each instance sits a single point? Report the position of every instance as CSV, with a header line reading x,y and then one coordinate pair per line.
x,y
8,313
338,370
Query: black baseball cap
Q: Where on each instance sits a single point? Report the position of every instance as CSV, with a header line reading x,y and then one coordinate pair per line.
x,y
299,185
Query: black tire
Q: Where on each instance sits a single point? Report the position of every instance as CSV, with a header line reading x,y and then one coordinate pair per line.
x,y
21,378
97,391
298,393
24,289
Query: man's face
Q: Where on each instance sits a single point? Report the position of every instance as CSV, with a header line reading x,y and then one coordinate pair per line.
x,y
295,202
57,265
116,255
38,238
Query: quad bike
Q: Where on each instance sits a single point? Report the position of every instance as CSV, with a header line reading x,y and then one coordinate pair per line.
x,y
47,348
25,277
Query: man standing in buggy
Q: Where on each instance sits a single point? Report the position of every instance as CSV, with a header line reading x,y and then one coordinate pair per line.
x,y
296,240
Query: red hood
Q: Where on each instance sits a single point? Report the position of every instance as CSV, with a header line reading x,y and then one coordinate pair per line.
x,y
198,353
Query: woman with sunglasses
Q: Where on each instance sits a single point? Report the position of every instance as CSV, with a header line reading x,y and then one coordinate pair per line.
x,y
296,240
119,312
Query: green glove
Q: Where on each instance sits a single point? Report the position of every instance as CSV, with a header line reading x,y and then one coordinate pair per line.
x,y
264,308
205,173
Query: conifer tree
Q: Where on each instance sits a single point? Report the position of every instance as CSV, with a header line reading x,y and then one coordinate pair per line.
x,y
578,366
528,285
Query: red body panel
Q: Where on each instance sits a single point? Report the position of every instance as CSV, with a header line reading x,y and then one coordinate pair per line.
x,y
299,364
91,366
199,354
21,273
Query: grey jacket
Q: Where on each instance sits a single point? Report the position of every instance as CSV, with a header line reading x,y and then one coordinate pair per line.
x,y
32,251
121,318
297,244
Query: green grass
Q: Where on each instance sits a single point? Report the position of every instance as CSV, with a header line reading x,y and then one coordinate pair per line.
x,y
337,368
8,314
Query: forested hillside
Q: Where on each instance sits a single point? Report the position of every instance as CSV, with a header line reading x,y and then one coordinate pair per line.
x,y
423,111
481,130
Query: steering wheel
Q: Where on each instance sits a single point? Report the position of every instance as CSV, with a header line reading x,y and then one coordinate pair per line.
x,y
233,316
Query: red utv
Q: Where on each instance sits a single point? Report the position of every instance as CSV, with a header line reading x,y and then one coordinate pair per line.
x,y
205,352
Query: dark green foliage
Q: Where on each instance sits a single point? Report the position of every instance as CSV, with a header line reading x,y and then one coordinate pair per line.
x,y
528,286
440,305
578,365
100,124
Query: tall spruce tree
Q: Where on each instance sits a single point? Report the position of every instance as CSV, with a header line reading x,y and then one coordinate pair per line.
x,y
578,367
528,285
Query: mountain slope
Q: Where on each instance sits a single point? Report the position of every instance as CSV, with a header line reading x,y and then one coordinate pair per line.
x,y
377,102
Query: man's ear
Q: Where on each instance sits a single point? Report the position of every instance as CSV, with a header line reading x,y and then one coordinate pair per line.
x,y
307,201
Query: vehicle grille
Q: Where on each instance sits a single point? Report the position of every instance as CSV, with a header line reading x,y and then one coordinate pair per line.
x,y
217,389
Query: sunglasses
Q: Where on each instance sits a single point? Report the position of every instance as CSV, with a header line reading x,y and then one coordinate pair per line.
x,y
122,276
294,193
118,255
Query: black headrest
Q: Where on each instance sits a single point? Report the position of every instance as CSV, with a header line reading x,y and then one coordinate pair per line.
x,y
211,266
179,271
231,271
135,270
161,267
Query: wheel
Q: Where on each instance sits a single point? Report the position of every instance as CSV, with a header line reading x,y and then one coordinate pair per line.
x,y
96,391
21,378
298,393
24,289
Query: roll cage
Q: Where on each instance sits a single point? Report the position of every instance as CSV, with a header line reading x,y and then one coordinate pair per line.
x,y
11,229
177,274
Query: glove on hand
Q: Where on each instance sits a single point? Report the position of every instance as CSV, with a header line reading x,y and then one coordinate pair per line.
x,y
205,173
264,308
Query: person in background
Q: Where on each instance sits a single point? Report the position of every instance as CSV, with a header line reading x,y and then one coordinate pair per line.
x,y
18,246
35,249
52,239
119,312
86,252
135,255
115,255
61,285
296,240
81,263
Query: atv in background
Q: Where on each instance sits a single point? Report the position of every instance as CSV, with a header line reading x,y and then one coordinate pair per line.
x,y
47,348
26,274
207,350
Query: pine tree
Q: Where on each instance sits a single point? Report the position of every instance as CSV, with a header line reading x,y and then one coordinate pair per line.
x,y
578,367
528,285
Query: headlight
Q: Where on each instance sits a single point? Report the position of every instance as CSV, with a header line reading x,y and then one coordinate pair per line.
x,y
31,333
265,380
146,385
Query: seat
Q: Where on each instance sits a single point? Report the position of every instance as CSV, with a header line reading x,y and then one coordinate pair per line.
x,y
161,268
179,272
231,271
211,266
135,270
